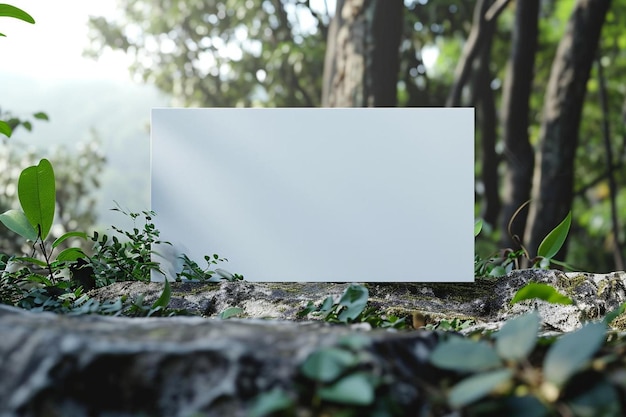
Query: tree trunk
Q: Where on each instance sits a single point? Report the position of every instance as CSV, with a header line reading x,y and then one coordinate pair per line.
x,y
554,173
362,57
486,121
486,13
518,152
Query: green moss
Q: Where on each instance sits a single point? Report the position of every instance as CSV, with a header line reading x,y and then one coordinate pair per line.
x,y
570,284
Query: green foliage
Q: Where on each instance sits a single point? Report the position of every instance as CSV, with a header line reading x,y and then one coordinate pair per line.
x,y
351,308
491,373
193,272
541,291
127,255
339,375
36,191
230,53
37,194
509,259
7,10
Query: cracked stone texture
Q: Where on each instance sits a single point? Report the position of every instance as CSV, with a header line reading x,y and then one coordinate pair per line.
x,y
486,301
80,366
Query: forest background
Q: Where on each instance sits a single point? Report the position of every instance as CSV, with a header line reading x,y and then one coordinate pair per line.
x,y
546,78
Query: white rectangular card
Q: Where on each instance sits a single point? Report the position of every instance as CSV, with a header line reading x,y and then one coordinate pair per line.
x,y
339,195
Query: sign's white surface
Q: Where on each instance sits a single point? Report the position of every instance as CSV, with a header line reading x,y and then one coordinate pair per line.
x,y
340,195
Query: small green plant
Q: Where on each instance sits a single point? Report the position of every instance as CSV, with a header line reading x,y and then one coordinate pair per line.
x,y
509,259
36,192
352,308
193,272
126,255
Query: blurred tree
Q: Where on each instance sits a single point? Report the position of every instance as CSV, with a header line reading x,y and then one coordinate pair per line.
x,y
553,184
518,152
271,52
222,53
362,55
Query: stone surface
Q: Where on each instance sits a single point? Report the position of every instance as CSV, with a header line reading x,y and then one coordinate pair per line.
x,y
52,365
486,301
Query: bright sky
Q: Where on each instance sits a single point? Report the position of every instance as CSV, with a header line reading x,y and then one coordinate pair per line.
x,y
53,46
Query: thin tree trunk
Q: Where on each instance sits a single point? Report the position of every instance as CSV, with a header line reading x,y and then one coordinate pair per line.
x,y
486,119
485,16
518,152
554,174
362,57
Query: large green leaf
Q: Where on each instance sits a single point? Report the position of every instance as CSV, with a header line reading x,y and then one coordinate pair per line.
x,y
12,11
164,300
36,191
68,235
541,291
477,386
354,299
552,243
327,364
354,389
16,221
518,337
464,355
270,402
70,254
5,129
572,352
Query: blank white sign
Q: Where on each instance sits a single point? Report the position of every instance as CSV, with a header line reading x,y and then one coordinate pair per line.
x,y
339,195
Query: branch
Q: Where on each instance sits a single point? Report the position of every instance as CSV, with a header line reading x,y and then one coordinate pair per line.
x,y
484,19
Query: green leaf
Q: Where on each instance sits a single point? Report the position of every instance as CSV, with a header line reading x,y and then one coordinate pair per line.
x,y
12,11
464,355
518,337
542,291
70,254
476,387
230,312
164,299
32,260
5,129
354,389
572,352
41,116
552,243
68,235
354,299
16,221
478,226
36,191
270,402
326,364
